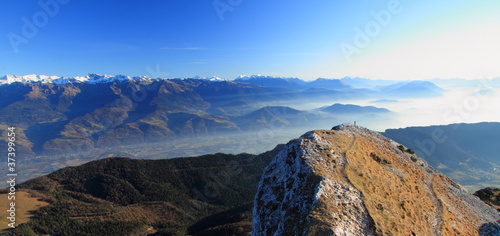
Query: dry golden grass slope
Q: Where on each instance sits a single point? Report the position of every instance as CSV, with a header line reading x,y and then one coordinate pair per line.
x,y
25,205
352,181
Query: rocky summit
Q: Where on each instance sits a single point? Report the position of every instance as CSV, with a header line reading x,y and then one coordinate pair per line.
x,y
353,181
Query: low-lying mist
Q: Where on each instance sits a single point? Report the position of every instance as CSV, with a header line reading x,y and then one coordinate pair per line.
x,y
456,105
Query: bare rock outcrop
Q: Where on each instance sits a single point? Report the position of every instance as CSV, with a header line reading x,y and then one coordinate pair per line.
x,y
352,181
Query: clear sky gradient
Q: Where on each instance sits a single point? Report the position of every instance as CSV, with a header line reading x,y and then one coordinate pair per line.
x,y
398,40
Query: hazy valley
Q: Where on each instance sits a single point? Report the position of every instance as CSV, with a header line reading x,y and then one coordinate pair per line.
x,y
322,173
70,121
63,122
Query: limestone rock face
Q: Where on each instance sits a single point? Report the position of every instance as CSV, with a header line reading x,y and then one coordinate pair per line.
x,y
352,181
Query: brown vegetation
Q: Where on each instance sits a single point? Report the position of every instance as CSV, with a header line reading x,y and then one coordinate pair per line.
x,y
25,202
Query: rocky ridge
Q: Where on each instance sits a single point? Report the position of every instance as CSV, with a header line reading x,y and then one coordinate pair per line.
x,y
352,181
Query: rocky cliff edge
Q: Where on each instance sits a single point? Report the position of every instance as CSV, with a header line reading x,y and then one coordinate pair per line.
x,y
353,181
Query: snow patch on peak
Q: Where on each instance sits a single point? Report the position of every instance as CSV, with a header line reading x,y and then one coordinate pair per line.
x,y
213,78
8,79
248,77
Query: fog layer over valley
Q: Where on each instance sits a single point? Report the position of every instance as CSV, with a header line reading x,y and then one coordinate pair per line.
x,y
69,121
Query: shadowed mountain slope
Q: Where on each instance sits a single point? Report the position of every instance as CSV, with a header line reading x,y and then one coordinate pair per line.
x,y
206,195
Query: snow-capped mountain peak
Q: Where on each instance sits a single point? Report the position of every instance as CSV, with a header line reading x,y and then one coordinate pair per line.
x,y
90,78
8,79
266,77
256,76
213,78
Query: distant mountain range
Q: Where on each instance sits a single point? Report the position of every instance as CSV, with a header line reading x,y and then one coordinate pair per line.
x,y
269,81
419,88
384,88
467,153
58,115
293,83
59,118
352,109
412,89
468,83
276,116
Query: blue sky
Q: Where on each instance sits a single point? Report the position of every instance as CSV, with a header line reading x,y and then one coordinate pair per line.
x,y
409,39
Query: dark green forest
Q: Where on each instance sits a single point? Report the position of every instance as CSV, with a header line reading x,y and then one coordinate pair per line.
x,y
206,195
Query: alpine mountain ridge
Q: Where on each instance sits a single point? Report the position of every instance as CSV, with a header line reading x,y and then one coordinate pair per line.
x,y
353,181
